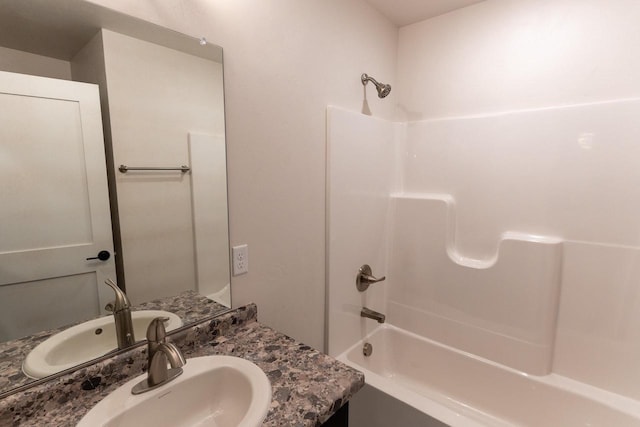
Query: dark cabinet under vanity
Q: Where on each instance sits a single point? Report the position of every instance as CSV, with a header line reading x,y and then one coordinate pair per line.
x,y
340,418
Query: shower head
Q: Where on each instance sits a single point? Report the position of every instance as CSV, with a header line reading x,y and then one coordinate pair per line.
x,y
383,89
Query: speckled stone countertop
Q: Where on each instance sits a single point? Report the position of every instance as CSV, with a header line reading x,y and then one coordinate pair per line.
x,y
189,306
307,386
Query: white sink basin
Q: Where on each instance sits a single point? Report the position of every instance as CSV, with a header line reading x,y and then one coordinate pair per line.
x,y
87,341
215,391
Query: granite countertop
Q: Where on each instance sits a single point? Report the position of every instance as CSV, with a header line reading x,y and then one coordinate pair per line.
x,y
307,386
189,306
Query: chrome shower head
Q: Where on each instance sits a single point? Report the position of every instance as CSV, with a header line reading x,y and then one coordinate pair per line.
x,y
383,89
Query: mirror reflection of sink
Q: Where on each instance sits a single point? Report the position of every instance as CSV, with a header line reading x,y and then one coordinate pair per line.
x,y
87,341
216,391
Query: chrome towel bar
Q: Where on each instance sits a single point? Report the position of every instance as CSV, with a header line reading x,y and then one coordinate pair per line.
x,y
125,169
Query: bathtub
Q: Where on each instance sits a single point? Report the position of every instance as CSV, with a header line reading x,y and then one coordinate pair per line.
x,y
460,389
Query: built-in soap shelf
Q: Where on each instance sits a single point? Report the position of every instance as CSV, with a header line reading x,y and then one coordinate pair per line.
x,y
510,300
450,240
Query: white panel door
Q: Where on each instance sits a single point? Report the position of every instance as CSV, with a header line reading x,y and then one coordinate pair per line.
x,y
54,204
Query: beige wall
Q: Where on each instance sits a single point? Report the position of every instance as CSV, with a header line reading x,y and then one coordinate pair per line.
x,y
17,61
285,61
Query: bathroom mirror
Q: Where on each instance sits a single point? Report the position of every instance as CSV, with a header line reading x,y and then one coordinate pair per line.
x,y
160,105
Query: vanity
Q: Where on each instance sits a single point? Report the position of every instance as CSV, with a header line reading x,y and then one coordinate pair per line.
x,y
308,388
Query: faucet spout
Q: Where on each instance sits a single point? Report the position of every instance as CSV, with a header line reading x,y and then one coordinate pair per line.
x,y
160,353
158,372
122,317
371,314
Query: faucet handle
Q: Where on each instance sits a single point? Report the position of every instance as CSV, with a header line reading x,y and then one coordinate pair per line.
x,y
155,331
365,278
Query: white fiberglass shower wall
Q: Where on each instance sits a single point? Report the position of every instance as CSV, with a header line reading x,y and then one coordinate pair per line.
x,y
504,208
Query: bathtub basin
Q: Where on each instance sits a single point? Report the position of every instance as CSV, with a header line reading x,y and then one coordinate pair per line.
x,y
460,389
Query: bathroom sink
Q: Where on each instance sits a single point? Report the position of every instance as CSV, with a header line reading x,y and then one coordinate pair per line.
x,y
216,391
86,341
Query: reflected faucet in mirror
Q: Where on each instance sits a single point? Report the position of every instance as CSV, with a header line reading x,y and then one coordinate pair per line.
x,y
121,308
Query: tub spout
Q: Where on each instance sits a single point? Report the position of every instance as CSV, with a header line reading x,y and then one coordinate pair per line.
x,y
371,314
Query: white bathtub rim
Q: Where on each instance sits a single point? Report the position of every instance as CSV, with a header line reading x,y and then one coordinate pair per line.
x,y
456,414
469,417
416,400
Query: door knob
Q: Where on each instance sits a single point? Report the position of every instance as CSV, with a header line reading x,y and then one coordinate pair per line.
x,y
102,256
365,278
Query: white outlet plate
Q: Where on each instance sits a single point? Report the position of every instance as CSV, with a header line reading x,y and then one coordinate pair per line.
x,y
240,256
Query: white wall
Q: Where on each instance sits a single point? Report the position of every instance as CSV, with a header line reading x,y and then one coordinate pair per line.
x,y
17,61
285,61
519,154
501,55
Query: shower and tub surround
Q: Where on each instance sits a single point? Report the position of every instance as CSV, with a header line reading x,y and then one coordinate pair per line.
x,y
308,387
502,306
442,197
358,204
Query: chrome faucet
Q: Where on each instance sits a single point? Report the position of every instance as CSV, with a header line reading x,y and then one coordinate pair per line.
x,y
121,308
371,314
160,353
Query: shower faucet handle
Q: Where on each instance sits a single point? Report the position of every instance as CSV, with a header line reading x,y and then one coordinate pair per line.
x,y
365,277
